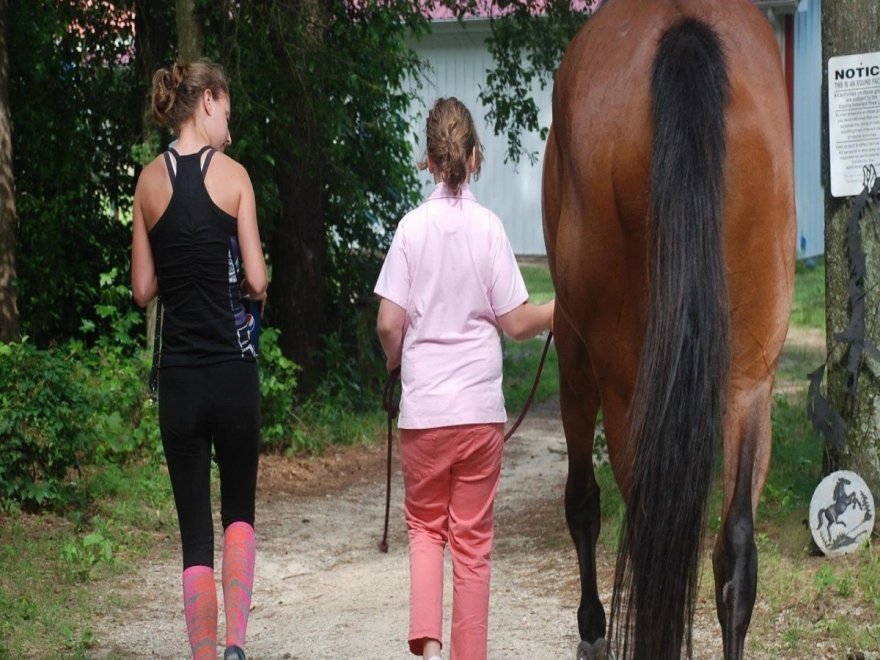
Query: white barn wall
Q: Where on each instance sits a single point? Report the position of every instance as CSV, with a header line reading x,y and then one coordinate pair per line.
x,y
806,116
808,128
459,60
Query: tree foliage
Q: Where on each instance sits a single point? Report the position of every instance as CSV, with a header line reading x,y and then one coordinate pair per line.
x,y
321,119
323,131
75,104
528,40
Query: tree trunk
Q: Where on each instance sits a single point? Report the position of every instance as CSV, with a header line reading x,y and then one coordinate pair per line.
x,y
298,292
152,38
9,319
850,27
299,256
189,31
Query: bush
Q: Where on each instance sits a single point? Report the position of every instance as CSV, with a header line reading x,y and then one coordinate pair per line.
x,y
344,408
79,403
117,368
44,424
277,389
124,420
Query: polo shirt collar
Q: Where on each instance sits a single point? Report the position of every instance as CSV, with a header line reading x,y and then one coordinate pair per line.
x,y
442,191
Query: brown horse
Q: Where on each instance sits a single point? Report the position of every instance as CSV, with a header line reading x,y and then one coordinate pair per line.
x,y
670,224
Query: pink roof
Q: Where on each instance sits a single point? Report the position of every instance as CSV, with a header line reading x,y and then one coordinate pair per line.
x,y
489,9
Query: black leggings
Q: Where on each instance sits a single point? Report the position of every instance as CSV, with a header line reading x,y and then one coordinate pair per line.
x,y
198,407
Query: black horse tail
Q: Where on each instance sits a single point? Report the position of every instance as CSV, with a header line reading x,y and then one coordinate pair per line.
x,y
677,406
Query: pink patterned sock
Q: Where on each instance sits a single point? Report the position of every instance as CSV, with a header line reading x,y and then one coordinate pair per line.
x,y
239,554
200,610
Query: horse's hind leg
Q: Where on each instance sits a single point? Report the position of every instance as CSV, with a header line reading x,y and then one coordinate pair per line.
x,y
579,402
746,461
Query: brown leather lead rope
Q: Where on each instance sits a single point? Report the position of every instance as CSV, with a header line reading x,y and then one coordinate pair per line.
x,y
391,407
530,399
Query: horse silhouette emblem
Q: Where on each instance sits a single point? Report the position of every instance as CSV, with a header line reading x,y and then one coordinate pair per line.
x,y
843,512
842,502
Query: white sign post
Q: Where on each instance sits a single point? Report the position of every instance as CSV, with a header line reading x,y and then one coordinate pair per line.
x,y
853,121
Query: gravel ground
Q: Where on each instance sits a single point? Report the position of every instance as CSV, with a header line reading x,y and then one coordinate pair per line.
x,y
322,588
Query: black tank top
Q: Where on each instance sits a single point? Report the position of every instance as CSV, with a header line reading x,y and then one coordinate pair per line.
x,y
198,266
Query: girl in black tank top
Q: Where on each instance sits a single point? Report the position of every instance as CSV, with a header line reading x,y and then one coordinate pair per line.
x,y
189,250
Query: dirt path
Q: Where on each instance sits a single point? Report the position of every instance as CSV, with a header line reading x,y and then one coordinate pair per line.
x,y
324,591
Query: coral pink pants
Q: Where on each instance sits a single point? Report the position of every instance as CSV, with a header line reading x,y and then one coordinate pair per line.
x,y
450,477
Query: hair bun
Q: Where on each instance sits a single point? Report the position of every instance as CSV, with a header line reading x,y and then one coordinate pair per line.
x,y
177,89
178,73
164,94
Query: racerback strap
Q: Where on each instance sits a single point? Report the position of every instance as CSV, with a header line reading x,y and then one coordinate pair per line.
x,y
171,158
171,163
208,158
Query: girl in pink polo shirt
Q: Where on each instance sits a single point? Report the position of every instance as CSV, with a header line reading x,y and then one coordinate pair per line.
x,y
449,285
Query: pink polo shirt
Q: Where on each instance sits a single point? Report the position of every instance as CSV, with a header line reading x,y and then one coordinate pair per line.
x,y
451,267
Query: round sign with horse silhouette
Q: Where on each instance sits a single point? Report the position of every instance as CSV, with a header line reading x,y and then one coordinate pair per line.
x,y
841,513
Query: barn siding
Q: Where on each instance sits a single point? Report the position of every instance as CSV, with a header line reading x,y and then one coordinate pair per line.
x,y
459,61
808,128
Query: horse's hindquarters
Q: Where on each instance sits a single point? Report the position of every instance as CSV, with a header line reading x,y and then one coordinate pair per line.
x,y
601,235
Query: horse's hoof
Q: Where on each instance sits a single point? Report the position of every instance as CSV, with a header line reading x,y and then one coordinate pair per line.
x,y
598,650
585,651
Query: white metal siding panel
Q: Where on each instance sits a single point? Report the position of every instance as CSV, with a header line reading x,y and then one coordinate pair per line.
x,y
459,60
808,128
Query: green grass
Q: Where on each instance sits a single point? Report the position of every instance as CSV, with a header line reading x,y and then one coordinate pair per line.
x,y
521,358
813,601
538,282
323,421
808,307
520,366
49,564
796,464
42,596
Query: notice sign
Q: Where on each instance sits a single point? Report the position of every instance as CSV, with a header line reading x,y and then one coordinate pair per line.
x,y
854,120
